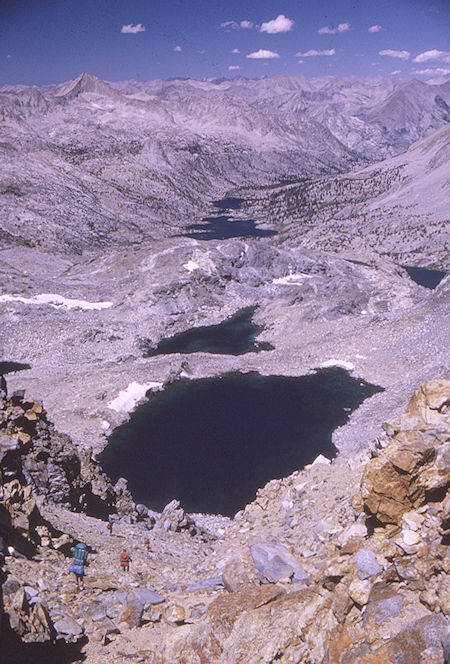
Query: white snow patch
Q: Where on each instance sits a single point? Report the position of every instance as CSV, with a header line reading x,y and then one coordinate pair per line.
x,y
319,460
105,425
55,300
343,364
292,279
126,400
360,357
190,266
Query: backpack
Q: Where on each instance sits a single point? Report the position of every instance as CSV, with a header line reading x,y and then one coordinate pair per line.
x,y
80,554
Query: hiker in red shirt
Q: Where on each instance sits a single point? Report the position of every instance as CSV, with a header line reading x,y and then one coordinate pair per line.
x,y
125,561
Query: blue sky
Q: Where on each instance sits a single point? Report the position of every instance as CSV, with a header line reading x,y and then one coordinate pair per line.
x,y
50,41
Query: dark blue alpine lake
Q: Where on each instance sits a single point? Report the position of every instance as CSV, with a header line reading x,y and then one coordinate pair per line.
x,y
235,335
212,443
425,276
223,226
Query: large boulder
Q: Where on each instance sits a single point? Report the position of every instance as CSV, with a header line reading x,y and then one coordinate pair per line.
x,y
415,465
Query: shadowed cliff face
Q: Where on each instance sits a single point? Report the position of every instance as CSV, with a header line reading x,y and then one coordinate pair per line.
x,y
211,443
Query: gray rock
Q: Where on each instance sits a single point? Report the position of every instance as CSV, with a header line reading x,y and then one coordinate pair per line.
x,y
31,592
366,564
433,630
68,627
447,649
275,563
173,517
234,576
148,596
133,609
97,612
7,444
383,605
206,584
198,610
11,586
106,627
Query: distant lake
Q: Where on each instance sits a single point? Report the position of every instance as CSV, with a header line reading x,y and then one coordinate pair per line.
x,y
424,276
212,443
224,228
229,203
233,336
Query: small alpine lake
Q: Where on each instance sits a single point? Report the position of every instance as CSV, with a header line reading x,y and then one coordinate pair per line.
x,y
212,443
426,277
235,335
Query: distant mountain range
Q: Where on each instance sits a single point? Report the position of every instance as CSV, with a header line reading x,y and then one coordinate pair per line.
x,y
89,164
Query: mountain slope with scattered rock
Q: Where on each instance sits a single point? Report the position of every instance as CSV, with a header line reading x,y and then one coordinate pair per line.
x,y
397,208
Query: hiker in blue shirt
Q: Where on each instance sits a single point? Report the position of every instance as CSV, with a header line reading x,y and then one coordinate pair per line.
x,y
79,554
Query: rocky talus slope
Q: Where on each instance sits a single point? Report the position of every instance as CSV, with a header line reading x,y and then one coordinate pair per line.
x,y
341,563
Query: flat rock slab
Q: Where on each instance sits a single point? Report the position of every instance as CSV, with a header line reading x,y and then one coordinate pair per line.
x,y
68,627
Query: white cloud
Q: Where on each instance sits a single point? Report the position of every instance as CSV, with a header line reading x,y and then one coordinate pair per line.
x,y
375,28
312,52
300,62
235,50
442,71
434,54
403,55
234,25
178,49
395,72
279,24
9,57
342,27
229,25
131,29
233,67
262,54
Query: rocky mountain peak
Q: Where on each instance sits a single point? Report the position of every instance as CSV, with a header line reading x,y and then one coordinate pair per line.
x,y
84,83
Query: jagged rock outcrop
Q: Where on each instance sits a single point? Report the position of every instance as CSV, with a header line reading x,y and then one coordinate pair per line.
x,y
415,465
174,518
52,465
24,532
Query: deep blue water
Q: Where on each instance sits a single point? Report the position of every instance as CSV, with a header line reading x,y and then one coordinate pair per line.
x,y
229,203
424,276
212,443
224,227
233,336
